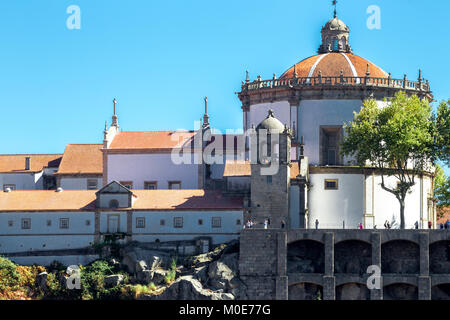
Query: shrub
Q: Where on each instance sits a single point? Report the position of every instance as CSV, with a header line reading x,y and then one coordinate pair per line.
x,y
9,276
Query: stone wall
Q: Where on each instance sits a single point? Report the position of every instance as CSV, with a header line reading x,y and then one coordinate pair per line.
x,y
332,264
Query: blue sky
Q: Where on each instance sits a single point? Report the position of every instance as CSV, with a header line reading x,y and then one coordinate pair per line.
x,y
160,58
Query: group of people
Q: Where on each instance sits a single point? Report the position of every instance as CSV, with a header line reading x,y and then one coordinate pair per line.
x,y
387,225
445,225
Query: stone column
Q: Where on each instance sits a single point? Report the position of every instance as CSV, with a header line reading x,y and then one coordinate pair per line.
x,y
129,226
97,227
424,243
375,241
329,282
424,281
281,281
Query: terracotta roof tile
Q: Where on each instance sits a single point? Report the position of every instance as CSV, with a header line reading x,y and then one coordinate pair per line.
x,y
331,65
49,200
242,169
151,139
82,159
16,162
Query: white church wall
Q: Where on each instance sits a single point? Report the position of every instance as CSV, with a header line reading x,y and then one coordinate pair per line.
x,y
41,235
158,167
315,113
294,205
386,206
332,207
258,112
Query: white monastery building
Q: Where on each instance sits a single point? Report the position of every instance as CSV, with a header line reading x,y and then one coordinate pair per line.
x,y
130,184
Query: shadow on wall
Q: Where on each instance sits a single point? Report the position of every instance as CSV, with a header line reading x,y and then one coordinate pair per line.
x,y
400,291
352,256
400,257
440,257
305,291
352,291
305,256
441,292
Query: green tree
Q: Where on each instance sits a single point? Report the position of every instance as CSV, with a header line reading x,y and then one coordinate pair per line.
x,y
441,188
398,140
442,132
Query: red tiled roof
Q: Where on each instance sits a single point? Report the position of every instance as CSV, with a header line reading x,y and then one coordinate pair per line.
x,y
15,163
242,169
82,159
332,63
151,139
49,200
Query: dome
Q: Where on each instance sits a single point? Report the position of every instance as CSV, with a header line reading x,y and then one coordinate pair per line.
x,y
335,24
331,64
271,124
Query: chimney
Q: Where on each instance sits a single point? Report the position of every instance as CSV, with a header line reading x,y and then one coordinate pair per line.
x,y
27,163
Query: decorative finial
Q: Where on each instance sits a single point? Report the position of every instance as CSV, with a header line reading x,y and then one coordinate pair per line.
x,y
274,76
205,116
206,105
247,78
420,75
106,126
114,117
367,71
270,113
334,2
295,71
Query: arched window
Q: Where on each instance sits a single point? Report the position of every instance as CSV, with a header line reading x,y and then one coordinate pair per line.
x,y
335,44
113,204
343,43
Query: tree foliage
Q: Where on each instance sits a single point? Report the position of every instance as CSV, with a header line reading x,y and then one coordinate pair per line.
x,y
441,188
398,139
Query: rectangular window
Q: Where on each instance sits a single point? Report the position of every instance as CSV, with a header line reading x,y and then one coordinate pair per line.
x,y
150,185
140,222
127,184
26,223
330,138
162,222
49,223
238,222
10,223
92,184
64,223
269,179
331,184
88,222
178,222
174,184
9,186
216,222
200,222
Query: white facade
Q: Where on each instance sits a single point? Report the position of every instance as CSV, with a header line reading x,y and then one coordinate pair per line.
x,y
23,181
360,199
159,167
73,183
195,224
45,232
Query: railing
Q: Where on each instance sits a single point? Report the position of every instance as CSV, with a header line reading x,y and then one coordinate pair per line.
x,y
339,81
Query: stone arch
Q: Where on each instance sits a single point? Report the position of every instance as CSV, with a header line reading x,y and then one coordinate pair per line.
x,y
440,257
440,292
400,291
400,257
305,256
352,291
352,256
305,291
